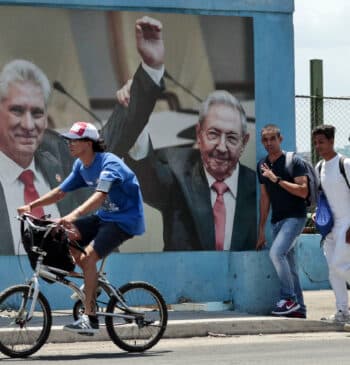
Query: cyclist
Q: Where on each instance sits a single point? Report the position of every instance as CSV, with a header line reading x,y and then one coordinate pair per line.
x,y
119,216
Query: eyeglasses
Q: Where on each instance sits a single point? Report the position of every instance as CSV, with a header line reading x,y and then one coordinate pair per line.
x,y
216,137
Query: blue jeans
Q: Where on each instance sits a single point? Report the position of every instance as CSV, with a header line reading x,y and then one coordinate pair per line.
x,y
282,255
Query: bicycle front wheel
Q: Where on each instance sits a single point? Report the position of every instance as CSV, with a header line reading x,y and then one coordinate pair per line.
x,y
147,320
21,336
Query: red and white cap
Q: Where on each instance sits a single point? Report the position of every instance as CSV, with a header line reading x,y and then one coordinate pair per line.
x,y
80,130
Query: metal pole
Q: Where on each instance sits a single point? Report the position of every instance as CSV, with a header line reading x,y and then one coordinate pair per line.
x,y
316,107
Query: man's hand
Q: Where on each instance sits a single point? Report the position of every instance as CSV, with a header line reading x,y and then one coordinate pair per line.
x,y
267,172
68,219
123,94
24,209
261,242
70,228
149,41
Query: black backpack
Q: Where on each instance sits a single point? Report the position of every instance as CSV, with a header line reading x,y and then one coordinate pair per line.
x,y
312,177
55,245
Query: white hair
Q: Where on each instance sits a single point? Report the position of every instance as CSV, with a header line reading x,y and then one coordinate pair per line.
x,y
225,98
23,71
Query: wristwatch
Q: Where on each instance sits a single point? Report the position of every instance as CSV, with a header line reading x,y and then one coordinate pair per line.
x,y
278,180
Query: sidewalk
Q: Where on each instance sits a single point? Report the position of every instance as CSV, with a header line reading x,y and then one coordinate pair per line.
x,y
184,323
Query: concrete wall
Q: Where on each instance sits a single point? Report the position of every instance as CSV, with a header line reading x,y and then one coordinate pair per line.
x,y
313,269
247,278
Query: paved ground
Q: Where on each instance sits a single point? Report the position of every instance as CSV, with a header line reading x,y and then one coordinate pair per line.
x,y
320,303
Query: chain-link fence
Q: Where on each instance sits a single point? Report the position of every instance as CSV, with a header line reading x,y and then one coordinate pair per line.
x,y
336,111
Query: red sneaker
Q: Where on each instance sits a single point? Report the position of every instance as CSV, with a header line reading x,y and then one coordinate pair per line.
x,y
285,306
296,314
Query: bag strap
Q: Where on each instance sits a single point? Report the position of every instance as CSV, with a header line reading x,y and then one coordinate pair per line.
x,y
319,167
342,170
289,162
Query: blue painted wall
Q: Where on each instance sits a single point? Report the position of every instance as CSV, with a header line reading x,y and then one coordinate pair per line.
x,y
247,278
313,269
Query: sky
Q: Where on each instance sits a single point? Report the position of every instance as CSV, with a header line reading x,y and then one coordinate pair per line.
x,y
321,31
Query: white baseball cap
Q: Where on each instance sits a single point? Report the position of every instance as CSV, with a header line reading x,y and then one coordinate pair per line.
x,y
81,130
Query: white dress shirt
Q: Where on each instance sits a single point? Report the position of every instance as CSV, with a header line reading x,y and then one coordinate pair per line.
x,y
14,194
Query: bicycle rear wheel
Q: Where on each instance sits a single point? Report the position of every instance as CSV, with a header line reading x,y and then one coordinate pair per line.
x,y
20,336
146,328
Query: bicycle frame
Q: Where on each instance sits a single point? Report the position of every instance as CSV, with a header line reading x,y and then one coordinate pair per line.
x,y
60,276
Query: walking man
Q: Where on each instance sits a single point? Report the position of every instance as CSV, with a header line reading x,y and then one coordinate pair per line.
x,y
336,249
286,195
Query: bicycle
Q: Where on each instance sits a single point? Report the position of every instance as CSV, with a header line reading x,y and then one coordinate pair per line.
x,y
135,314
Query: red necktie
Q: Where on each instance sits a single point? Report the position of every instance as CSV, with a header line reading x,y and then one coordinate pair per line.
x,y
30,193
219,212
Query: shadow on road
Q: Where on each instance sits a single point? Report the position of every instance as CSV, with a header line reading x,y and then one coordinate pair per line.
x,y
104,355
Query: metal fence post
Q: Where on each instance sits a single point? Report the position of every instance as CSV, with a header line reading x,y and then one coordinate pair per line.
x,y
316,107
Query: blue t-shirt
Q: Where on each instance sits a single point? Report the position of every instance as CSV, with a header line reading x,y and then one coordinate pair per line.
x,y
123,203
283,204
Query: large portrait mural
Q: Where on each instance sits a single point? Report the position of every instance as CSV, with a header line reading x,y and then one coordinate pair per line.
x,y
183,134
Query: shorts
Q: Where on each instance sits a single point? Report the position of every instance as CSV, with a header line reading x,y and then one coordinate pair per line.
x,y
106,235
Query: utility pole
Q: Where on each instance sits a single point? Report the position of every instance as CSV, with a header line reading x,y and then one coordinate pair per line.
x,y
316,106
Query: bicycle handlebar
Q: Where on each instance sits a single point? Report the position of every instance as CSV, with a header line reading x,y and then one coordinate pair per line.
x,y
49,225
29,219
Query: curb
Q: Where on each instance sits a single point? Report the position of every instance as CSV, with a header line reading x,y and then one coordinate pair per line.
x,y
215,327
247,326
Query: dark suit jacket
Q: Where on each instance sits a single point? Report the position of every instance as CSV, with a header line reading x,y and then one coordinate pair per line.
x,y
53,157
173,181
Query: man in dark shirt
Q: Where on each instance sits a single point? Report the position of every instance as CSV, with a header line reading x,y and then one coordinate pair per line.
x,y
286,194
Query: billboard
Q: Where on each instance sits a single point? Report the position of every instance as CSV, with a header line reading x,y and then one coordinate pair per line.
x,y
87,56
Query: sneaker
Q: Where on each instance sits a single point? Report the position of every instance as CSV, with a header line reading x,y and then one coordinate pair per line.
x,y
285,306
339,317
297,314
83,326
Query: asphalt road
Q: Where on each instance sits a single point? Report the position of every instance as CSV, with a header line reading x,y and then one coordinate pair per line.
x,y
296,349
